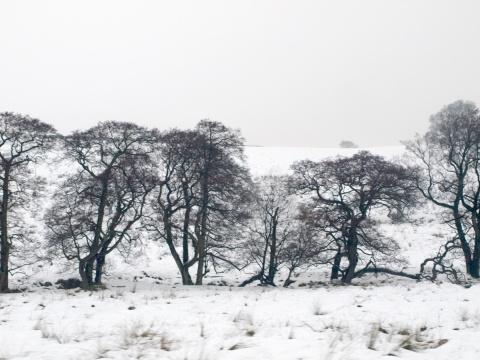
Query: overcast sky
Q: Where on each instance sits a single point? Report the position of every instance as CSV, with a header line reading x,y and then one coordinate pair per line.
x,y
291,73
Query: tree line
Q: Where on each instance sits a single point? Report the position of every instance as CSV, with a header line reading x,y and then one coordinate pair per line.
x,y
191,189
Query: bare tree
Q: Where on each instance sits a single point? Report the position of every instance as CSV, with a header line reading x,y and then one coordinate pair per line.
x,y
277,236
201,197
441,264
269,228
305,248
448,159
23,142
332,226
351,189
224,192
175,198
96,208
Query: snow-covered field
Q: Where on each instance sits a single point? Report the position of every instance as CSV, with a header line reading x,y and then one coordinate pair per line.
x,y
147,318
144,320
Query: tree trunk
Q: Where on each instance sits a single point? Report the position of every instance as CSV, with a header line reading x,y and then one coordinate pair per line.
x,y
4,269
251,279
467,252
201,262
380,270
186,223
4,243
185,237
95,247
272,266
186,278
352,256
264,259
202,239
288,280
100,261
83,274
474,263
473,268
336,265
89,270
350,274
182,268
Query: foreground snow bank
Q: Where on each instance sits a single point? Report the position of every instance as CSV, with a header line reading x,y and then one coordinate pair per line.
x,y
145,320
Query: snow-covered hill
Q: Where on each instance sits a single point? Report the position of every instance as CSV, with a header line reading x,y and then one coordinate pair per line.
x,y
277,160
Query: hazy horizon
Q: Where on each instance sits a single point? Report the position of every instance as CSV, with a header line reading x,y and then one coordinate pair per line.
x,y
305,73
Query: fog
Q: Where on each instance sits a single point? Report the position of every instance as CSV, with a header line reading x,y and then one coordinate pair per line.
x,y
288,73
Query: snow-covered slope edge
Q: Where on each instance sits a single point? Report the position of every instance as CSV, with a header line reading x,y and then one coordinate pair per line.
x,y
277,160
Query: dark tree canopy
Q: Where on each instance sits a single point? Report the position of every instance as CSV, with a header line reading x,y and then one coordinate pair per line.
x,y
201,196
97,207
344,192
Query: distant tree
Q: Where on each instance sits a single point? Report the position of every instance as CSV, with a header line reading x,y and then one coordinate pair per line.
x,y
23,142
347,144
276,238
448,158
97,207
350,191
270,228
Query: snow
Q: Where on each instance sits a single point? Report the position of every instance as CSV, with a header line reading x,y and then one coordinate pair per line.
x,y
209,322
138,317
277,160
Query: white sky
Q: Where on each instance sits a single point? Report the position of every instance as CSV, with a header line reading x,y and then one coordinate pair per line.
x,y
293,73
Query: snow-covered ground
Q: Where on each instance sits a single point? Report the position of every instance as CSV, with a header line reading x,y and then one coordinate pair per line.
x,y
144,320
140,317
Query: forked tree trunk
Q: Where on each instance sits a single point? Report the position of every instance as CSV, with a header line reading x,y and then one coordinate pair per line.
x,y
272,266
83,274
95,246
186,278
85,270
182,268
288,280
